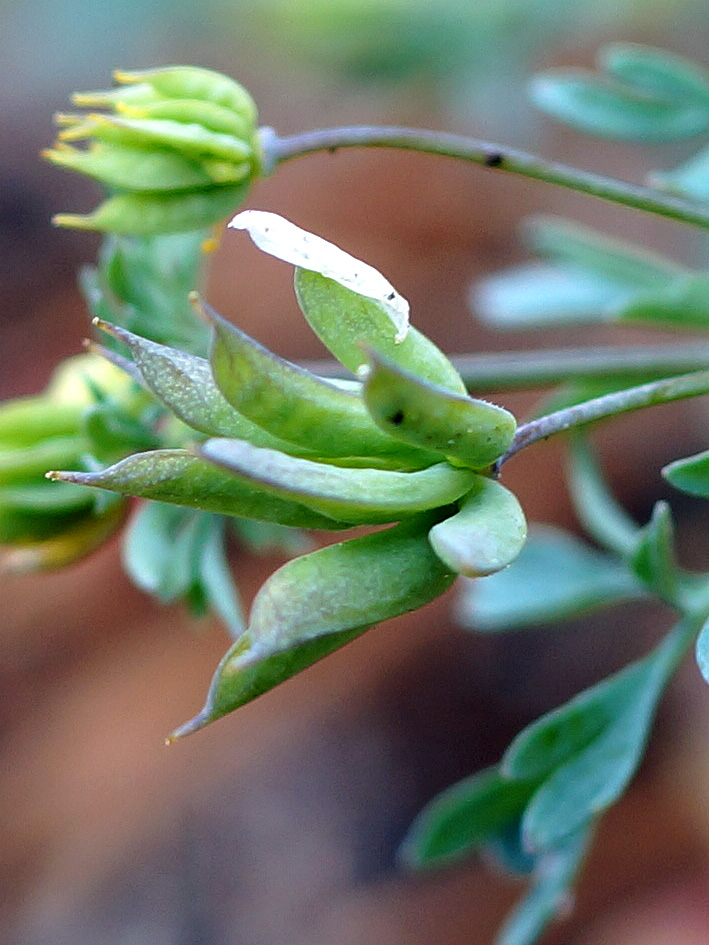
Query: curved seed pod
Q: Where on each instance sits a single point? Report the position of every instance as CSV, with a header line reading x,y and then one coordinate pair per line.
x,y
73,543
345,321
184,383
153,214
26,420
358,496
466,430
40,510
294,404
486,534
194,82
141,93
184,479
138,169
207,114
19,464
143,132
318,602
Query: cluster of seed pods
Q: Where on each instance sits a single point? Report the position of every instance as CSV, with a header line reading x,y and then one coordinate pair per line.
x,y
400,444
177,149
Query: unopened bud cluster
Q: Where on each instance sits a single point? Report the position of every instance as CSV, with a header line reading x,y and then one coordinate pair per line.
x,y
176,148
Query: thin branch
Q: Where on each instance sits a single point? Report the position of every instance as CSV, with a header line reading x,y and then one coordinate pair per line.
x,y
609,405
523,370
277,149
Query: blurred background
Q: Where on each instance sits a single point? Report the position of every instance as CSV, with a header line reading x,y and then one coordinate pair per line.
x,y
281,823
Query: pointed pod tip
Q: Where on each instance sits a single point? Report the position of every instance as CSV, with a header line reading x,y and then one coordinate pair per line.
x,y
194,725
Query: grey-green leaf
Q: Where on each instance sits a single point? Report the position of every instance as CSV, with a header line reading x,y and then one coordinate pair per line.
x,y
460,819
597,774
610,109
555,576
683,302
690,474
549,894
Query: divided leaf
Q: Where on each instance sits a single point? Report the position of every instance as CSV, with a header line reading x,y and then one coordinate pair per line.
x,y
555,576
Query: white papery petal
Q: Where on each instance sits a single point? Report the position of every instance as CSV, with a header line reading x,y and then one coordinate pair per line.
x,y
284,240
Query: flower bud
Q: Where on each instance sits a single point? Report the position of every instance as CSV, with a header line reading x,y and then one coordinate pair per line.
x,y
45,524
177,149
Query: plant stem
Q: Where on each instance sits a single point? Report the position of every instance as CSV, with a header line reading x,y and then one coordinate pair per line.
x,y
519,370
609,405
277,149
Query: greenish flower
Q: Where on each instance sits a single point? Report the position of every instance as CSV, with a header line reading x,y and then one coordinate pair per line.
x,y
177,149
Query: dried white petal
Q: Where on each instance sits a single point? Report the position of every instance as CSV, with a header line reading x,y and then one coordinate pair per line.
x,y
284,240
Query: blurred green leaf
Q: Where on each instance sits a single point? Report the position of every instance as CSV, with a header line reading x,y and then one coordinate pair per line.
x,y
555,576
690,179
653,560
539,296
612,109
460,819
549,894
690,474
608,257
593,744
683,302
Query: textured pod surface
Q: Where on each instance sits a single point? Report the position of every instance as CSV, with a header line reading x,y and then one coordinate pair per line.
x,y
345,322
486,534
151,214
194,82
466,429
296,405
358,496
132,168
184,479
184,383
318,602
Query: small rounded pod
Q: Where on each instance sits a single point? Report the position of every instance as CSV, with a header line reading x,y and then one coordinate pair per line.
x,y
486,534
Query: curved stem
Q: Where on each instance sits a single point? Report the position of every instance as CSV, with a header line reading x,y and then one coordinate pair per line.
x,y
609,405
493,371
277,149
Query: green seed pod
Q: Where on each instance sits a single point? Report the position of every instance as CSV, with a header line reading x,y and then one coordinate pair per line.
x,y
486,534
207,114
26,420
346,321
190,140
40,510
466,430
152,214
358,496
194,82
138,169
294,404
24,463
184,383
140,94
181,478
71,544
317,602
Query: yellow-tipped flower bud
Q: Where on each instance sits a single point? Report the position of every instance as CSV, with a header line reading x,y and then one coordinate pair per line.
x,y
176,149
